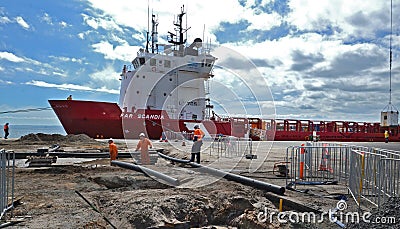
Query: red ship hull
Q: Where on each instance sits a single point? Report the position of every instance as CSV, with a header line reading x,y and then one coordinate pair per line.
x,y
106,120
95,119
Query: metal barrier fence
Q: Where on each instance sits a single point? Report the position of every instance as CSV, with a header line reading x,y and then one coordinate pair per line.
x,y
221,146
229,146
389,185
366,176
318,163
6,181
372,175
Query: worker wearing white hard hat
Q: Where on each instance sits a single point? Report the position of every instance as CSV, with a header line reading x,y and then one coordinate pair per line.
x,y
144,144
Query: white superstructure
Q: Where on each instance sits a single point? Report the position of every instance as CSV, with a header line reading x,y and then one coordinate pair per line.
x,y
168,77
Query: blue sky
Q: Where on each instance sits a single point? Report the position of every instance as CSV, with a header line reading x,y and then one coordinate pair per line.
x,y
325,59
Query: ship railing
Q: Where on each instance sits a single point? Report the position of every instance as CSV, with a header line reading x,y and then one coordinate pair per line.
x,y
7,171
371,175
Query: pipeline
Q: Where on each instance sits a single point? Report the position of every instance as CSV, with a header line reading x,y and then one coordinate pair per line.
x,y
230,176
170,180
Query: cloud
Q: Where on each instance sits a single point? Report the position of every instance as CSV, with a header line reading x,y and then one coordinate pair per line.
x,y
46,18
22,22
72,87
10,57
67,59
122,52
5,82
4,20
63,24
105,22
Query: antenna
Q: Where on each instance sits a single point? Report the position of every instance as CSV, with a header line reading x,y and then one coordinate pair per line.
x,y
148,26
204,30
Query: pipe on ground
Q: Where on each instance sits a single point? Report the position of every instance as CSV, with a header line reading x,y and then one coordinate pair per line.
x,y
230,176
170,180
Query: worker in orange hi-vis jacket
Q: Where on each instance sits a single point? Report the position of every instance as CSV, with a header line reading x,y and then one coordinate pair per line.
x,y
197,143
144,144
113,150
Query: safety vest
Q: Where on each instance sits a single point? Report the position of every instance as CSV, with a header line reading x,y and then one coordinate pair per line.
x,y
199,134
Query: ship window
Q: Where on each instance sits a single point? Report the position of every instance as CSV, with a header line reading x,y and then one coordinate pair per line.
x,y
167,63
144,76
137,76
137,92
160,61
152,62
142,60
385,117
165,94
170,79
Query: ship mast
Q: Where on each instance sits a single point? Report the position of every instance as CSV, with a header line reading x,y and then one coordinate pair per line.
x,y
179,28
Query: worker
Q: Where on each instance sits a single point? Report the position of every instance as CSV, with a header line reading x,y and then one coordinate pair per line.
x,y
6,130
197,143
386,136
69,97
113,150
144,144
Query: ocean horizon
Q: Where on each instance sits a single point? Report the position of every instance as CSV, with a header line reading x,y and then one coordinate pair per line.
x,y
17,131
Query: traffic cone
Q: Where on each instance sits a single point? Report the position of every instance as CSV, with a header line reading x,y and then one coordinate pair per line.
x,y
325,164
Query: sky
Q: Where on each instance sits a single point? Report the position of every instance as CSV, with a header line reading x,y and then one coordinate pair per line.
x,y
321,60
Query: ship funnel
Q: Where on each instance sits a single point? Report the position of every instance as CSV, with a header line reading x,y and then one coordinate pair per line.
x,y
198,43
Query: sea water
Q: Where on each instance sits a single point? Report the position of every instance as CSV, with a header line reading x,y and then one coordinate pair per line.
x,y
16,131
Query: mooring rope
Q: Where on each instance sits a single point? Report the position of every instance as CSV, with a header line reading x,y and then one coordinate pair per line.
x,y
26,110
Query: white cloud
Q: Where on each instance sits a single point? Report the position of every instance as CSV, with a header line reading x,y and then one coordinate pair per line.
x,y
6,82
22,22
67,59
104,22
4,20
46,18
72,87
63,24
106,75
122,52
10,57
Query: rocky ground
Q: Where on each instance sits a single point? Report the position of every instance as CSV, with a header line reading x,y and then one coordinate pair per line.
x,y
128,199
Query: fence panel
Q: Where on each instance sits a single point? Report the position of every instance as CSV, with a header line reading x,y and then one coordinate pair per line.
x,y
318,163
7,171
389,183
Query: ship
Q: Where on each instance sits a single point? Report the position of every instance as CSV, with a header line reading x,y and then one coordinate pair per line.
x,y
163,91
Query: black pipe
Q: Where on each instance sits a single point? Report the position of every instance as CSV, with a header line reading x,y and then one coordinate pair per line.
x,y
95,209
230,176
149,172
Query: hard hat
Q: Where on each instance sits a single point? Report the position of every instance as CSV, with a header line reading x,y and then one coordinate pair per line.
x,y
141,135
196,126
110,140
